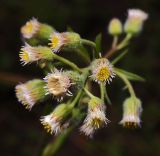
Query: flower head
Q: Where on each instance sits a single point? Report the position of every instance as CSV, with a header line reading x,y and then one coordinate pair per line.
x,y
102,70
59,40
132,110
95,118
30,93
30,28
54,122
58,83
135,20
29,54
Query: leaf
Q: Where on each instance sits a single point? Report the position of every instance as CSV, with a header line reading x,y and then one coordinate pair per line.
x,y
130,76
119,57
98,42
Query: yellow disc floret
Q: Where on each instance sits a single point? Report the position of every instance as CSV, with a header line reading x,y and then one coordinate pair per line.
x,y
24,56
103,74
30,28
55,41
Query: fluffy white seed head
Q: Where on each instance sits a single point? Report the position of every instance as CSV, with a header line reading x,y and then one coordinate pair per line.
x,y
58,84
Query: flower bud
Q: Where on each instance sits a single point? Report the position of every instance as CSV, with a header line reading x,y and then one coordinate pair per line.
x,y
95,118
29,54
30,93
115,27
55,122
102,70
34,31
62,40
135,20
58,83
76,79
132,110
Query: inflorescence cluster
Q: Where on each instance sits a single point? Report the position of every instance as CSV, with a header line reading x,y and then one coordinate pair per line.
x,y
70,83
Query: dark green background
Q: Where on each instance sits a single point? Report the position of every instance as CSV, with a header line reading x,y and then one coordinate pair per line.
x,y
21,132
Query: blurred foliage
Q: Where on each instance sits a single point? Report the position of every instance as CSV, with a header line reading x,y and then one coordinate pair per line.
x,y
21,132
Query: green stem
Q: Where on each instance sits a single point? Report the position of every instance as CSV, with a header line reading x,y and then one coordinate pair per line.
x,y
124,42
127,82
71,64
102,90
75,101
88,93
92,44
53,147
119,46
115,41
87,42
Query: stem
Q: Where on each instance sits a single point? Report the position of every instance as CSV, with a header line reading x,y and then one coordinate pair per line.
x,y
102,90
53,147
87,42
115,41
71,64
124,42
127,82
92,44
89,93
75,101
76,98
121,45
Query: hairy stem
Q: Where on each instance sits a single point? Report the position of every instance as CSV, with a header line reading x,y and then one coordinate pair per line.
x,y
102,91
69,63
127,82
121,45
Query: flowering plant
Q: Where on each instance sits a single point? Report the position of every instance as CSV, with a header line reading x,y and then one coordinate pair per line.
x,y
70,83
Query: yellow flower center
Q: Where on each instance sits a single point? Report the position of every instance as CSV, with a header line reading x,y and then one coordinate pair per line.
x,y
103,74
96,122
47,127
28,28
130,124
55,41
24,56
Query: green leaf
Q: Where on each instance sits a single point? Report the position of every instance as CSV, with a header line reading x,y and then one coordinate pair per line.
x,y
130,76
98,42
119,57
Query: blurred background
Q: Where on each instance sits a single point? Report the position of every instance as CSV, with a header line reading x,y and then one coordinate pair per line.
x,y
21,132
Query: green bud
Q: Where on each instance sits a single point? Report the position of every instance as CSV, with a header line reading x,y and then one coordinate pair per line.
x,y
132,109
135,20
115,27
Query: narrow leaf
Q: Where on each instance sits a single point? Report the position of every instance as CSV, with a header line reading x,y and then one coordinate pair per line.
x,y
130,76
98,42
119,57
